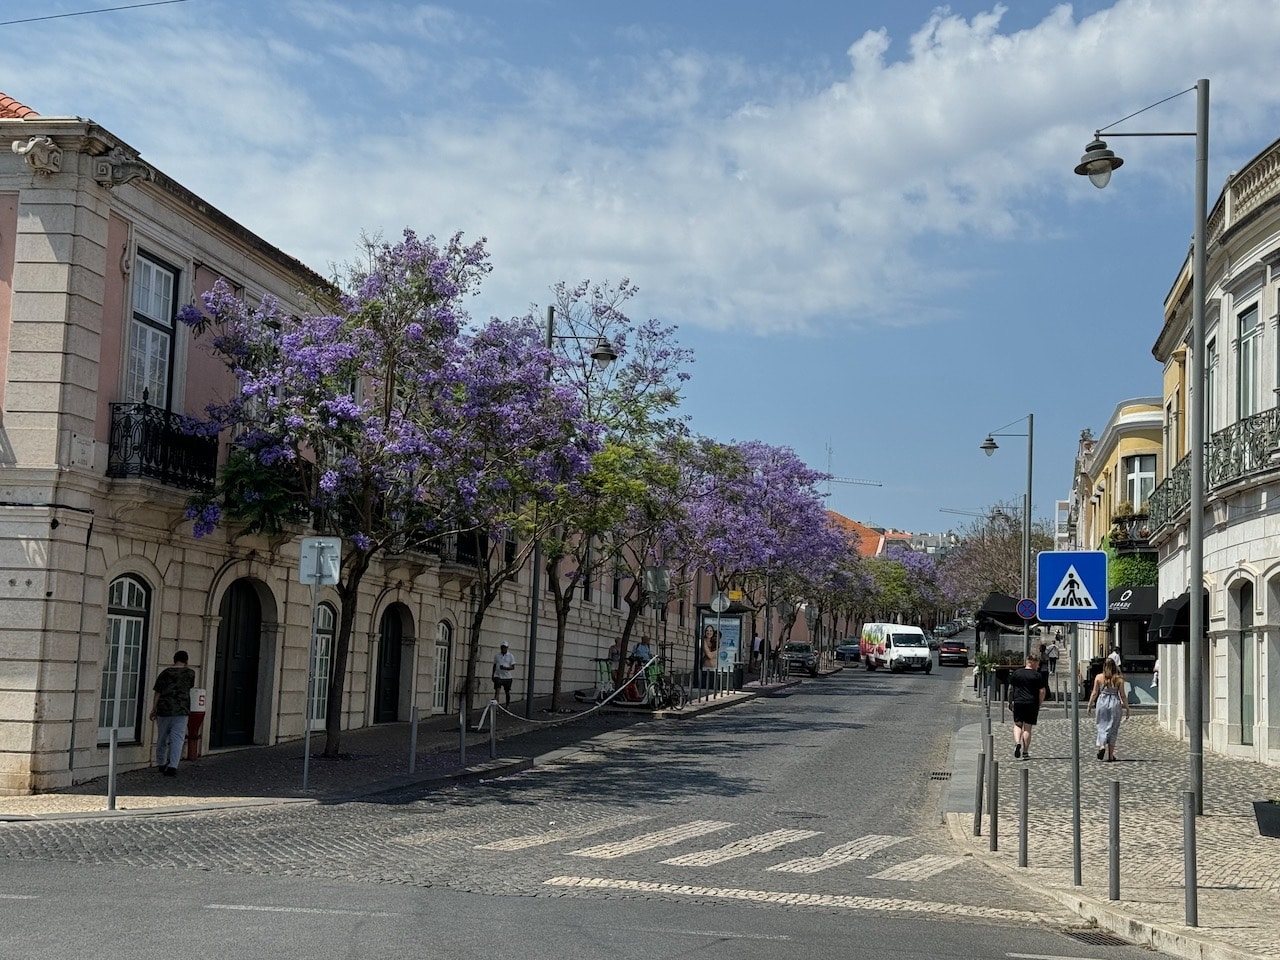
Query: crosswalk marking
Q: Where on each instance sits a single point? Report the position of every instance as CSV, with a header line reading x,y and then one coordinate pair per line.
x,y
858,849
761,843
648,841
565,833
879,904
920,868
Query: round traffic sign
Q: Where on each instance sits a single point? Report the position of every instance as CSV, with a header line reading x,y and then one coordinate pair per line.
x,y
719,601
1027,608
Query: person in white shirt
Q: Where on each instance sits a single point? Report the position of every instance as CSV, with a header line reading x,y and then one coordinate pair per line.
x,y
1114,657
503,672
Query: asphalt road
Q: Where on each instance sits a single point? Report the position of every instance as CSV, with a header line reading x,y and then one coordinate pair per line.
x,y
805,825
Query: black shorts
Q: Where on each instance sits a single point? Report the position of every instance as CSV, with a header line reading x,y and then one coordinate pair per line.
x,y
1026,713
500,684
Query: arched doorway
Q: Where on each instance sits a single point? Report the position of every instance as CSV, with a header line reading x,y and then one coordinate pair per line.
x,y
394,632
233,710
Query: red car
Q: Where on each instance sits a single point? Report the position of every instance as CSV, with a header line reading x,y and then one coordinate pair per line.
x,y
953,650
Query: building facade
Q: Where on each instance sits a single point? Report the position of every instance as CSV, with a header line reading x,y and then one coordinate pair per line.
x,y
1240,653
101,577
1115,475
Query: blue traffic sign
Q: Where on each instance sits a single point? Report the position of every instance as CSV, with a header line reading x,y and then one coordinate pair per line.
x,y
1026,609
1071,586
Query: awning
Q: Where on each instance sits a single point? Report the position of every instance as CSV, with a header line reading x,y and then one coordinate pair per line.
x,y
1172,621
1131,603
1000,610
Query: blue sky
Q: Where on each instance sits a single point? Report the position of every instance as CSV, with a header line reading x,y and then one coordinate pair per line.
x,y
861,215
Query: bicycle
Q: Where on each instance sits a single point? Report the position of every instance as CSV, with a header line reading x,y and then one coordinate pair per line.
x,y
664,692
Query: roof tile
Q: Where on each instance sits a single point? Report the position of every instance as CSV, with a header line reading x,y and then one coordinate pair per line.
x,y
11,109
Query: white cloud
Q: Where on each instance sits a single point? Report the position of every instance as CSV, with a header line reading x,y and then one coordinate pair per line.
x,y
734,197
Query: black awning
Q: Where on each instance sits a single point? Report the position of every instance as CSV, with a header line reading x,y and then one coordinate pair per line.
x,y
1172,622
1001,610
1131,603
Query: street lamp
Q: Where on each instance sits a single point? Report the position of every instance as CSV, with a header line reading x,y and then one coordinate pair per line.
x,y
1097,164
603,354
989,446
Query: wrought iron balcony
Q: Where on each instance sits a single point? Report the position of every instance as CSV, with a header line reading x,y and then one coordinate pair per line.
x,y
1241,450
1131,534
151,444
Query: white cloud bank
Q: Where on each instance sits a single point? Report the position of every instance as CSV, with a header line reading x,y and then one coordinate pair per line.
x,y
735,196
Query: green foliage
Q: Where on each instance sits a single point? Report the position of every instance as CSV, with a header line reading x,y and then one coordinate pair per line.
x,y
1133,570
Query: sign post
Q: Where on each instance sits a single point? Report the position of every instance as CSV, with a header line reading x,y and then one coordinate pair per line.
x,y
319,563
1071,587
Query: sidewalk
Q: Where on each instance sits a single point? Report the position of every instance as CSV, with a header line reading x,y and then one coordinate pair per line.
x,y
373,760
1238,870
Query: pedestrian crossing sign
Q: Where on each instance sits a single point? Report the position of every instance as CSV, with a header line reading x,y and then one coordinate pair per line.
x,y
1071,586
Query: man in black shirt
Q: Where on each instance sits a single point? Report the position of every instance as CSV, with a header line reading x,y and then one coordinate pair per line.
x,y
169,709
1027,688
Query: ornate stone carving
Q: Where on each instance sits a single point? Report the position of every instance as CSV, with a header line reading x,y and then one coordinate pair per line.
x,y
117,168
41,153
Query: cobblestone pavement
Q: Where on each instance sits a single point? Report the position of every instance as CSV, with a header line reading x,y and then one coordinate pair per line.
x,y
1238,871
737,807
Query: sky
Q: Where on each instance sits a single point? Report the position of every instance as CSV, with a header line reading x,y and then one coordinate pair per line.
x,y
860,214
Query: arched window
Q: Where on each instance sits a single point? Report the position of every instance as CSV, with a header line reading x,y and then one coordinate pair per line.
x,y
440,686
326,619
121,693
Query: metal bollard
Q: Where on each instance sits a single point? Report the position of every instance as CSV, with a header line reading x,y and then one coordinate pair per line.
x,y
1190,882
1113,892
413,739
493,729
462,733
993,832
111,769
1024,777
977,797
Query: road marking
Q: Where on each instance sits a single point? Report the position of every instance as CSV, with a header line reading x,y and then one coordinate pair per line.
x,y
1043,956
663,838
719,934
742,848
858,849
18,896
879,904
324,910
920,868
566,833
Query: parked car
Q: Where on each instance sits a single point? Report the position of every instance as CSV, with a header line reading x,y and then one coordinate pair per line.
x,y
953,651
948,629
933,640
800,657
850,651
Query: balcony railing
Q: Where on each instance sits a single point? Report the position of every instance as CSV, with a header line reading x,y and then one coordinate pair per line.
x,y
150,443
1131,534
1242,449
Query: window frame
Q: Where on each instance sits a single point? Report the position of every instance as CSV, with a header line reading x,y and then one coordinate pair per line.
x,y
1134,476
1248,365
121,616
143,321
326,635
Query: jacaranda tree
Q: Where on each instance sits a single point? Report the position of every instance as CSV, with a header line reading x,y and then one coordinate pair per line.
x,y
386,422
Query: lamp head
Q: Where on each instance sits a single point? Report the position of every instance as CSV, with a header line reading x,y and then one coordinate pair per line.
x,y
989,445
1097,163
603,353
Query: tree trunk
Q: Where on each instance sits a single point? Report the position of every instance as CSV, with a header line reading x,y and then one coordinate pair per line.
x,y
563,604
349,594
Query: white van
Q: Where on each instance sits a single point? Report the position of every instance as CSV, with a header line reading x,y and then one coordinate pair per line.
x,y
896,646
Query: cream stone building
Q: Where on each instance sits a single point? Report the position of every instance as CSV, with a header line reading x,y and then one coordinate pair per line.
x,y
101,579
1241,650
1115,474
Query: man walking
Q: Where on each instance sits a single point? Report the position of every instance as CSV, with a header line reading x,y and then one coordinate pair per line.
x,y
170,709
1027,688
504,671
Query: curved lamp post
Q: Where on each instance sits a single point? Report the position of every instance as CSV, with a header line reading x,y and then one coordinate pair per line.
x,y
603,354
989,446
1097,164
